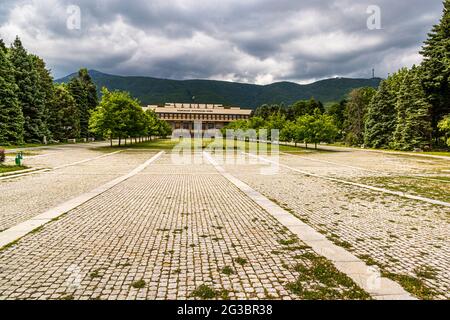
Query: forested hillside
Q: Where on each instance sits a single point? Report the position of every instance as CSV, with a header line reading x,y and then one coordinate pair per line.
x,y
157,91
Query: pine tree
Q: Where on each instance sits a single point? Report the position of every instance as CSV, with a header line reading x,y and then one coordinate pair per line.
x,y
436,68
381,117
11,117
90,88
27,79
355,114
77,92
380,122
84,91
2,46
64,114
413,128
45,92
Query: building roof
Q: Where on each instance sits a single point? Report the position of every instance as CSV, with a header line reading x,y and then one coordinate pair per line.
x,y
198,108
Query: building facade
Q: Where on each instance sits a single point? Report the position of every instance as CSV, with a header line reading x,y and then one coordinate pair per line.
x,y
212,116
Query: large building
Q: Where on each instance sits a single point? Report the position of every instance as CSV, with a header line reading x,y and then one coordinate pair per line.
x,y
212,116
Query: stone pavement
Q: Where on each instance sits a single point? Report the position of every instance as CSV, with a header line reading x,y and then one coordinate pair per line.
x,y
170,232
403,236
24,197
177,231
355,164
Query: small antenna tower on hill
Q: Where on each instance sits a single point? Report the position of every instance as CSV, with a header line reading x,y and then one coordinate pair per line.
x,y
373,73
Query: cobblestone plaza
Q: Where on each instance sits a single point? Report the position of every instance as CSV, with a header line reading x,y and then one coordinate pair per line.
x,y
101,223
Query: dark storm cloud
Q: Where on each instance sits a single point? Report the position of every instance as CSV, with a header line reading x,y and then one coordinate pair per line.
x,y
252,41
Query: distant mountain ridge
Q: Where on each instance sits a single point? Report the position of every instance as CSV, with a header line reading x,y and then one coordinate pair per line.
x,y
158,91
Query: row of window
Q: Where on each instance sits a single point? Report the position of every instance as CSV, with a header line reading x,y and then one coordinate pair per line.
x,y
184,116
190,126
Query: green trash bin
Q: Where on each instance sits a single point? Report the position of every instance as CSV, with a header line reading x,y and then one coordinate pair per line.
x,y
19,159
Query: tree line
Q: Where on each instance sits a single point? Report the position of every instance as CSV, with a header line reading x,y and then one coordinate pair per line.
x,y
303,122
33,108
120,116
410,110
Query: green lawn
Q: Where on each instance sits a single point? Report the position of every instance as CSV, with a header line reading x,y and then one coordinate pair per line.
x,y
27,145
34,145
435,153
6,169
211,144
435,187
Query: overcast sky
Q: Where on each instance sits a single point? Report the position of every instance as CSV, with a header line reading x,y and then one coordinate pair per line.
x,y
255,41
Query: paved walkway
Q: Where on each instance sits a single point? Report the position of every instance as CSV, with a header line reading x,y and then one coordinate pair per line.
x,y
404,236
177,231
24,197
170,232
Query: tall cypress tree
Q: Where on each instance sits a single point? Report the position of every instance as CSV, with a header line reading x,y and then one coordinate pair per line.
x,y
11,117
84,91
436,68
27,79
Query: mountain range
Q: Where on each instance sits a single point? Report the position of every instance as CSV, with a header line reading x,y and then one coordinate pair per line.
x,y
159,91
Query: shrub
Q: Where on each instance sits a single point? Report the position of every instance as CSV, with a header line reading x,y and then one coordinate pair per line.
x,y
2,155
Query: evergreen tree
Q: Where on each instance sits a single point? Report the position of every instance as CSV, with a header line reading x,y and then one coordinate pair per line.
x,y
413,128
27,80
64,114
11,117
381,117
76,90
3,46
45,92
84,91
355,114
436,68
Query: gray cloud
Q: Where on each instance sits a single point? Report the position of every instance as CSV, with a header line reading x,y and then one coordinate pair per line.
x,y
256,41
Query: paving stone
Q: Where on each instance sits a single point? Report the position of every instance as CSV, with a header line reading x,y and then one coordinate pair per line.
x,y
143,229
400,234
